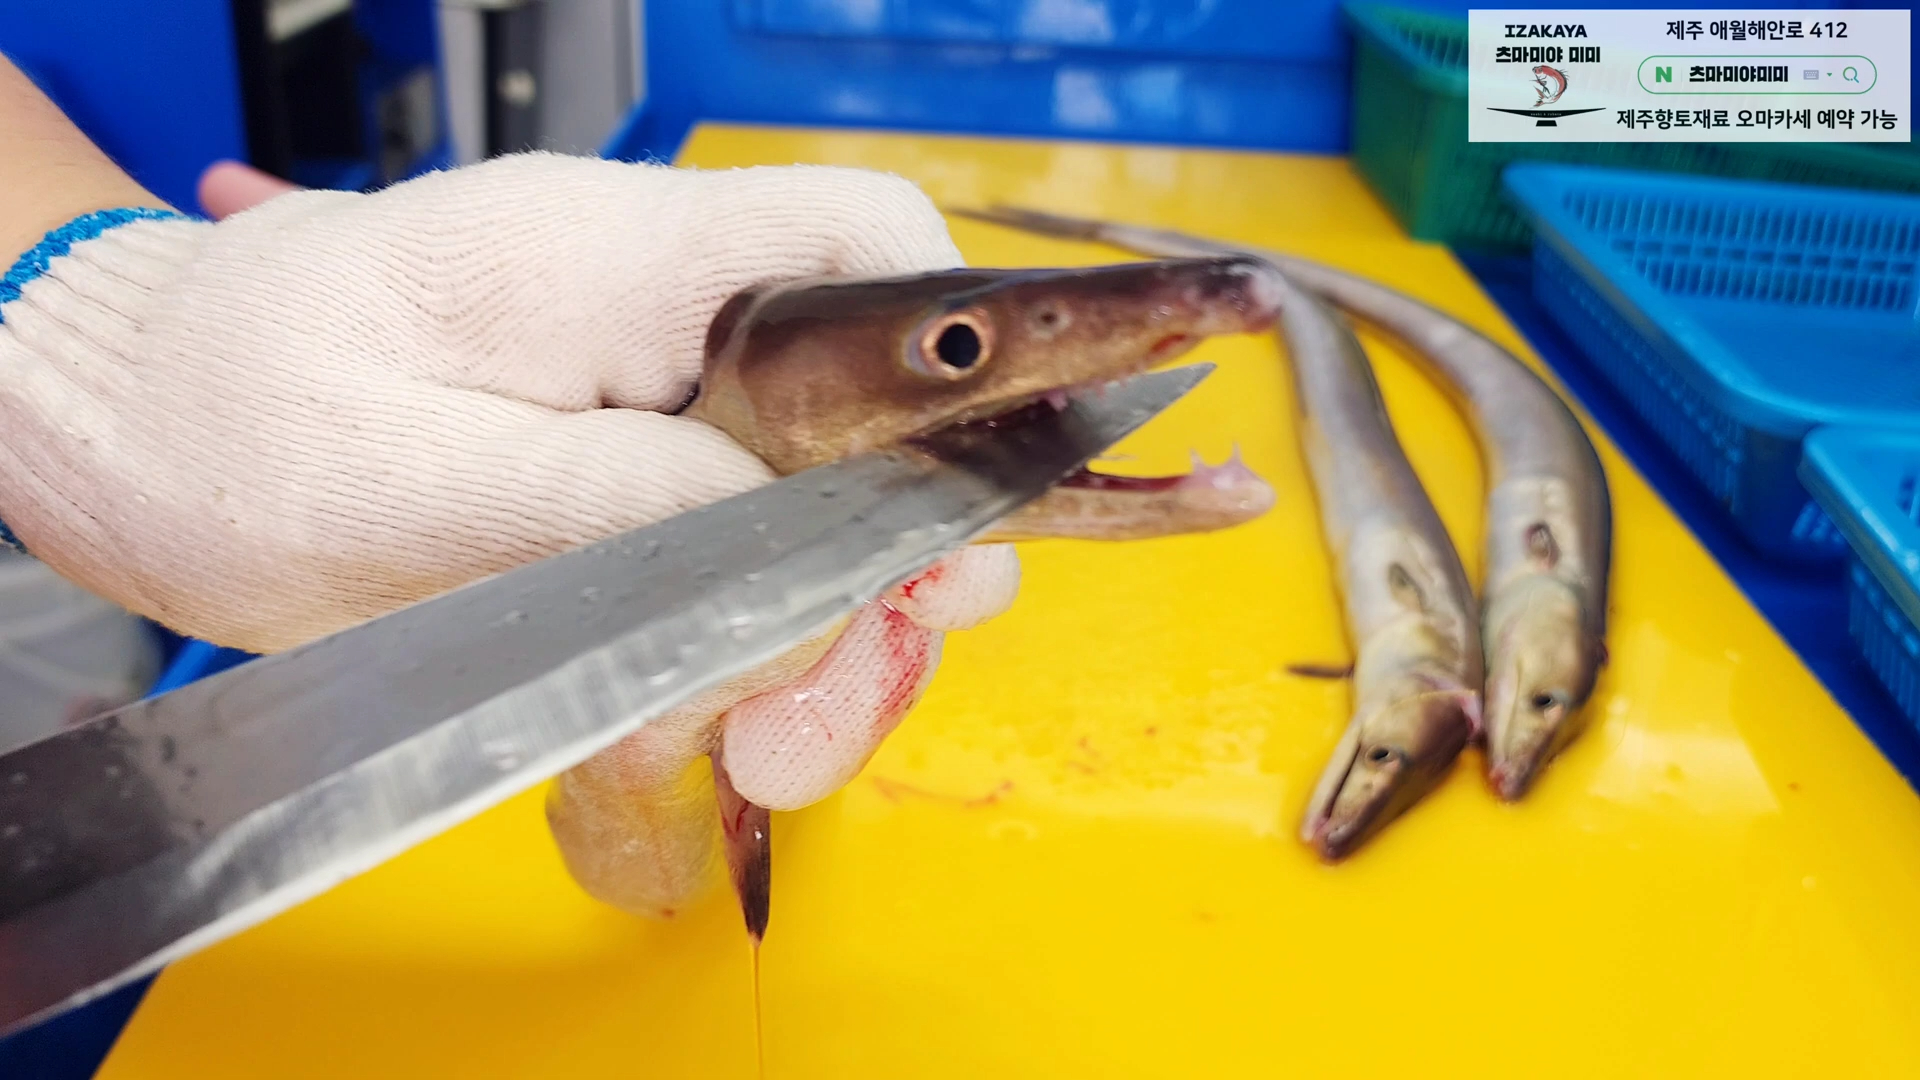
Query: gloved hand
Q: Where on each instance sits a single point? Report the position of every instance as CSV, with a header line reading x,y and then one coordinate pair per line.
x,y
262,430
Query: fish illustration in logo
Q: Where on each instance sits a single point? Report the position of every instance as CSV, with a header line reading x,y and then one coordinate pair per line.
x,y
1549,83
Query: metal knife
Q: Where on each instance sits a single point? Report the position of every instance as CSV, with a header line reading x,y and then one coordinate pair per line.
x,y
159,828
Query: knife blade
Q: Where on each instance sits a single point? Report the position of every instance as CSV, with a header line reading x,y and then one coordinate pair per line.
x,y
161,827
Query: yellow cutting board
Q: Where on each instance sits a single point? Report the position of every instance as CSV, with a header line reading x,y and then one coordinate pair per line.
x,y
1078,859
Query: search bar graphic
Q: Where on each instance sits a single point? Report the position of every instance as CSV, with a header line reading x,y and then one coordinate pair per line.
x,y
1745,75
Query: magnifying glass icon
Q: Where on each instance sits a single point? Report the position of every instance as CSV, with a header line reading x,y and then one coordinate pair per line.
x,y
1851,74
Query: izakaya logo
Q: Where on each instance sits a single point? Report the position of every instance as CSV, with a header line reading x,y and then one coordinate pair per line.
x,y
1549,85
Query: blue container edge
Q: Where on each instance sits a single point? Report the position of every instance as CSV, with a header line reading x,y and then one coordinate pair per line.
x,y
1871,539
1670,333
1696,355
653,135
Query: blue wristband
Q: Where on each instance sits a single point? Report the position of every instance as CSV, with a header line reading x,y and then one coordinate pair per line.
x,y
51,246
61,240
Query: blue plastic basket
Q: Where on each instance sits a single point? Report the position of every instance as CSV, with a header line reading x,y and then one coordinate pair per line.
x,y
1238,73
1868,481
1736,316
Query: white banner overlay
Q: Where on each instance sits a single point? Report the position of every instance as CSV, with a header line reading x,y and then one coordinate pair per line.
x,y
1689,76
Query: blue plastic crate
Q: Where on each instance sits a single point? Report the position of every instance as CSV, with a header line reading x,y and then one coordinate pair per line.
x,y
1868,481
1736,316
1238,73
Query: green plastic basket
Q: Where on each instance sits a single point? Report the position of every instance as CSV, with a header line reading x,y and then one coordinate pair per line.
x,y
1410,140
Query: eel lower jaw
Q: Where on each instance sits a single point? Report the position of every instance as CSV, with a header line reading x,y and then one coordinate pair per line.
x,y
1090,505
1100,506
1231,477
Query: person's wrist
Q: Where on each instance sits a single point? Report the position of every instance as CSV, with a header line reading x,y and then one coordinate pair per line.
x,y
36,213
50,173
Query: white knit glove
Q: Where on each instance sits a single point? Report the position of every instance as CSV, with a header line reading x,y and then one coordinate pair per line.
x,y
265,429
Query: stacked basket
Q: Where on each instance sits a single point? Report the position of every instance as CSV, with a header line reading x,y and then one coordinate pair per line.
x,y
1767,334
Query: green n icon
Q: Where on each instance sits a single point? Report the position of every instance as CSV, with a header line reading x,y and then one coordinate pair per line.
x,y
1662,74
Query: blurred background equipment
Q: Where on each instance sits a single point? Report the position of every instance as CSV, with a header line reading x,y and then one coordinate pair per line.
x,y
65,654
339,93
538,74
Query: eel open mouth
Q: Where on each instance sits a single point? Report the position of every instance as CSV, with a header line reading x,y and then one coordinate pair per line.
x,y
1226,476
1104,506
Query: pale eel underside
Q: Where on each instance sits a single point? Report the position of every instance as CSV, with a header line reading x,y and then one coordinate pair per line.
x,y
1409,608
809,372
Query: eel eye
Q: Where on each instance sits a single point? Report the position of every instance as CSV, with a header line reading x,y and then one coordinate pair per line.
x,y
952,346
